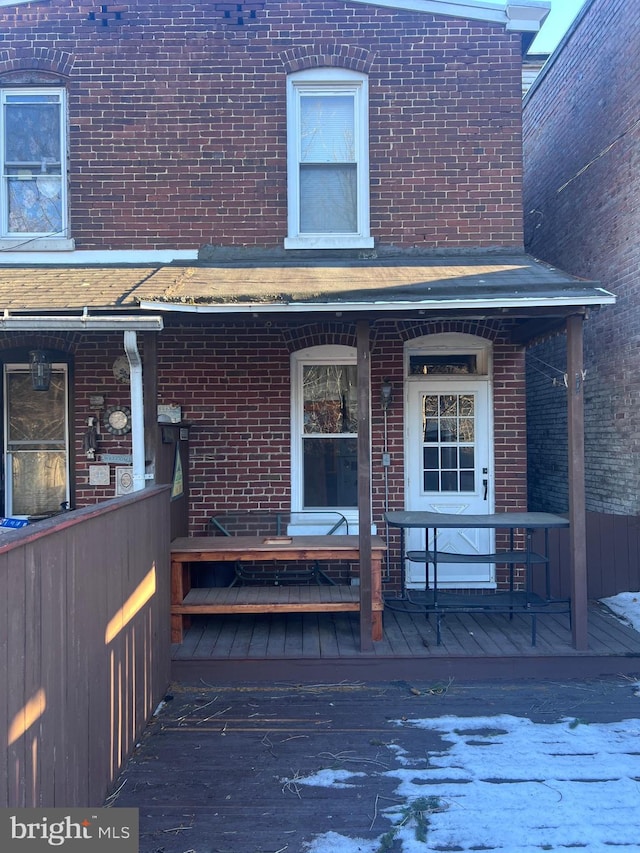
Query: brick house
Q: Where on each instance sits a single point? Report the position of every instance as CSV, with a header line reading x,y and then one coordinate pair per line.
x,y
581,213
298,227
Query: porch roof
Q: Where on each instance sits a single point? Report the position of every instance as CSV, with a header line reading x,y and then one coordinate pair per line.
x,y
514,285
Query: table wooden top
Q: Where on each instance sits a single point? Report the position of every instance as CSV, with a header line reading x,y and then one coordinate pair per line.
x,y
271,546
515,520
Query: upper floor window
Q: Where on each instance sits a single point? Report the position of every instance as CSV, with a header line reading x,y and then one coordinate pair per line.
x,y
328,159
33,155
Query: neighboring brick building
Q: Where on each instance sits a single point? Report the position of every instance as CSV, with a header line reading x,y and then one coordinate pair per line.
x,y
277,198
582,214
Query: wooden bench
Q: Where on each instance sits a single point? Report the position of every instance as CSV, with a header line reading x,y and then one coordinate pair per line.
x,y
298,598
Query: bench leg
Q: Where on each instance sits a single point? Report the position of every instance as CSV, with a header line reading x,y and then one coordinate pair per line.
x,y
376,625
177,628
180,586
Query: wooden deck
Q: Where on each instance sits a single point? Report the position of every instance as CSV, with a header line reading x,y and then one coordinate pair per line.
x,y
314,646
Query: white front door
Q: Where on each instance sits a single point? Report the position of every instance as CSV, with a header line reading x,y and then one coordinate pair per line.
x,y
448,457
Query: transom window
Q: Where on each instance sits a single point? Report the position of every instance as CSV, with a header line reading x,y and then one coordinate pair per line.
x,y
328,162
33,154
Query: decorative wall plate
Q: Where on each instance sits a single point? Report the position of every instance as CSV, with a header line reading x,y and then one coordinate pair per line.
x,y
117,420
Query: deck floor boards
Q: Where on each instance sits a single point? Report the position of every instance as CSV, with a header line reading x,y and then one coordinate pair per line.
x,y
307,639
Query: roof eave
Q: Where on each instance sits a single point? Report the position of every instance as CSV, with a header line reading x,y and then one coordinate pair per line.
x,y
25,322
600,297
525,16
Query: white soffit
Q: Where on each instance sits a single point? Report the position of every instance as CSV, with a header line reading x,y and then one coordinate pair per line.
x,y
523,16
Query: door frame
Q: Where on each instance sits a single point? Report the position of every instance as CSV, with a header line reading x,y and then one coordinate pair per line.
x,y
449,344
18,358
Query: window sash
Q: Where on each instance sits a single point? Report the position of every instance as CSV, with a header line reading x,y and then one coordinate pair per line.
x,y
328,159
324,424
32,154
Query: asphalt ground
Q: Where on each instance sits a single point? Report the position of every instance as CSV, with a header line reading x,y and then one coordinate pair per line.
x,y
219,768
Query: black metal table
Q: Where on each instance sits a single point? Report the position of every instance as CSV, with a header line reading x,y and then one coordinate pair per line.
x,y
513,601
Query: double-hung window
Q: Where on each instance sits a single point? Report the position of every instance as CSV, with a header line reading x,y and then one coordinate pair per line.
x,y
328,160
325,431
33,153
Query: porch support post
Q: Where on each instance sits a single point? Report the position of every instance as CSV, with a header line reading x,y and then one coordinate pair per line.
x,y
577,501
364,484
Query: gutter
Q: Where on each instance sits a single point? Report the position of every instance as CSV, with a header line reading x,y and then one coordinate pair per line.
x,y
84,323
137,410
603,297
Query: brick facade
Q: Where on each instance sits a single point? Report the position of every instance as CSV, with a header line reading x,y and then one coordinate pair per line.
x,y
582,183
178,120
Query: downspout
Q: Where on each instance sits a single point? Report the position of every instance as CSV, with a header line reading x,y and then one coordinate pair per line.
x,y
137,410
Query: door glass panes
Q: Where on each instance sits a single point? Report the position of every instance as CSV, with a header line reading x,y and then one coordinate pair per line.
x,y
328,170
448,430
32,163
35,444
329,428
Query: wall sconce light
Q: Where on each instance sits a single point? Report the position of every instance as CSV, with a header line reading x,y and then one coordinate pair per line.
x,y
40,367
386,393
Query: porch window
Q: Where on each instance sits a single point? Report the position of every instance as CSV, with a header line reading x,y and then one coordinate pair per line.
x,y
325,432
328,163
33,155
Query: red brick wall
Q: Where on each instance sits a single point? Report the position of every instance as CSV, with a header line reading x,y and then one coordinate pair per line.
x,y
581,144
239,406
240,411
178,124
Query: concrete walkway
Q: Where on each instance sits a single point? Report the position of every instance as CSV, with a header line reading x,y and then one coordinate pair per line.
x,y
388,768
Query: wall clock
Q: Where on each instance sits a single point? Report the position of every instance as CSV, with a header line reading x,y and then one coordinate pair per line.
x,y
117,420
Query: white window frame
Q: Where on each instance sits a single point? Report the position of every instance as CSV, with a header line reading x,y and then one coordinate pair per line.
x,y
35,241
328,81
327,354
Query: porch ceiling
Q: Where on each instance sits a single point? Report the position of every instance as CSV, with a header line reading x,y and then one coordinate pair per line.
x,y
508,285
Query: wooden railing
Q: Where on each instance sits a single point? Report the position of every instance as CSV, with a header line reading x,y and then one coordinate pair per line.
x,y
613,556
84,647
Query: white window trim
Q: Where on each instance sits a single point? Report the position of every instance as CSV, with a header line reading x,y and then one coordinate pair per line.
x,y
328,354
326,81
36,241
453,343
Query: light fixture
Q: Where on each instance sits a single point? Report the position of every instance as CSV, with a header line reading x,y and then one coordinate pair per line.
x,y
40,366
385,393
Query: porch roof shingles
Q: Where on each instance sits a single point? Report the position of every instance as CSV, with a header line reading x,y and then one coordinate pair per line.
x,y
54,288
492,280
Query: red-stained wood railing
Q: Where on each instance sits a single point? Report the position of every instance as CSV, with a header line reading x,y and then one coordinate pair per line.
x,y
84,647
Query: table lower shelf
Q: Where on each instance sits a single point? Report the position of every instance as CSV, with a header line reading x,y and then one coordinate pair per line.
x,y
502,602
510,557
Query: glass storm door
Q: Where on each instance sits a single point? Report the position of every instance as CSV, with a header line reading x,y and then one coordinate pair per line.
x,y
35,443
448,455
